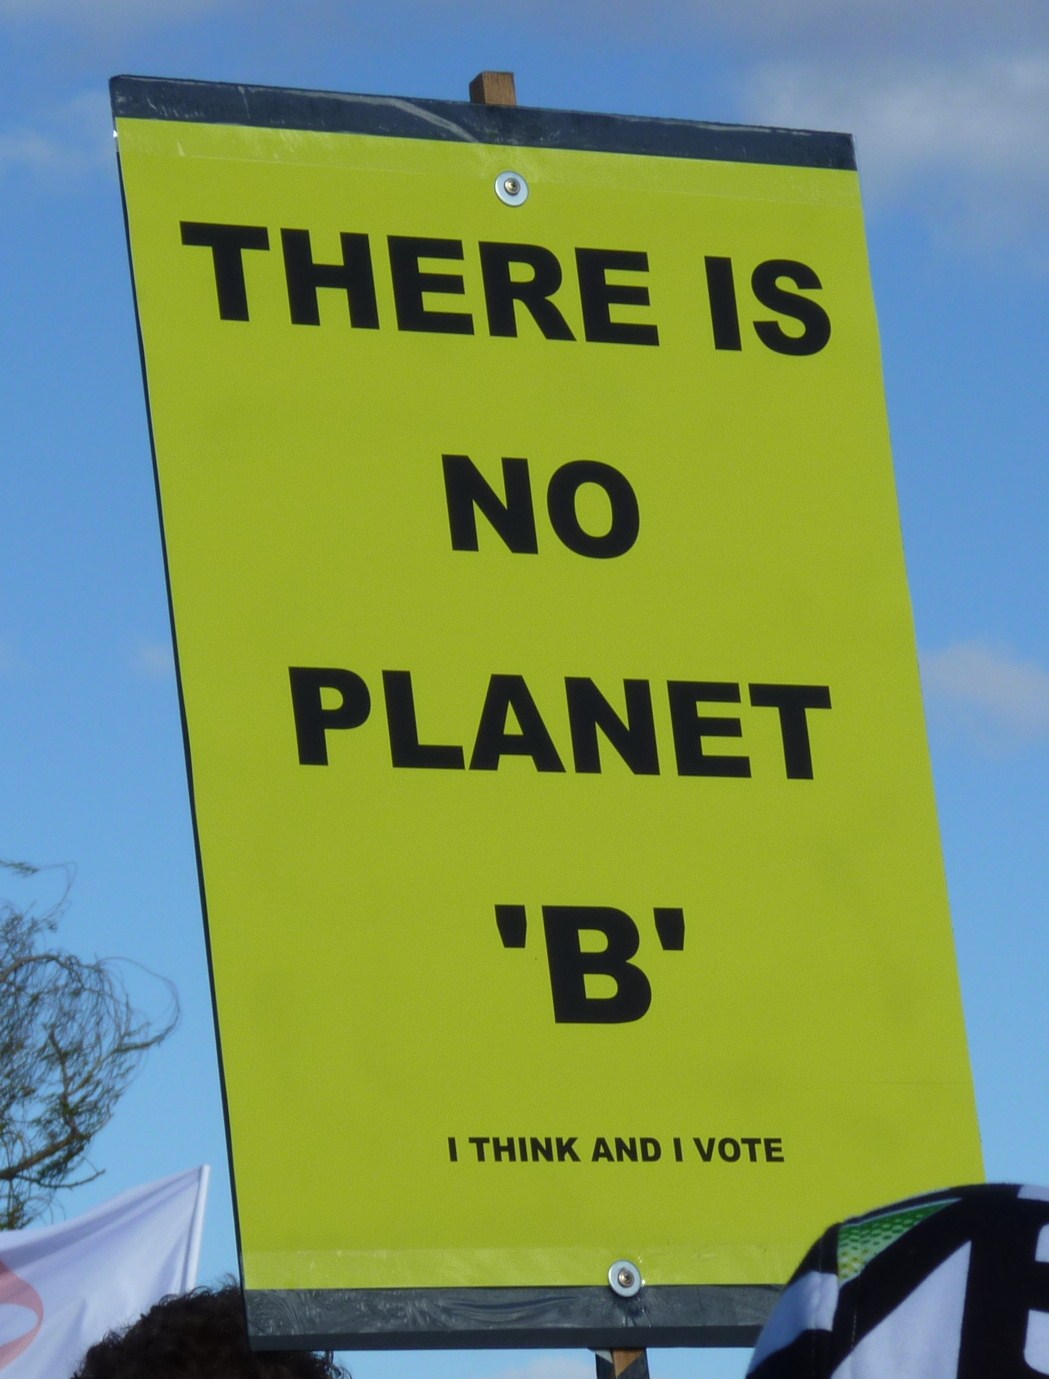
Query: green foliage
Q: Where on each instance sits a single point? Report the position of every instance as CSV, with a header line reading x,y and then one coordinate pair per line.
x,y
71,1040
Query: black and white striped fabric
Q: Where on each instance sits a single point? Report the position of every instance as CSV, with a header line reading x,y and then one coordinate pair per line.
x,y
953,1285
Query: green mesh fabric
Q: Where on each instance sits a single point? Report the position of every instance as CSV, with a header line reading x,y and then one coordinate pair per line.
x,y
861,1241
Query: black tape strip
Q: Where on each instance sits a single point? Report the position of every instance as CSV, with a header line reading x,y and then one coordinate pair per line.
x,y
467,1318
274,107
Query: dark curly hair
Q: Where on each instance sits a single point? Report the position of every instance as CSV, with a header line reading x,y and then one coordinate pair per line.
x,y
198,1335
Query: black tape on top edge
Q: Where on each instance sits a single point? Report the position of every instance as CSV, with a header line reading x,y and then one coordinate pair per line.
x,y
273,107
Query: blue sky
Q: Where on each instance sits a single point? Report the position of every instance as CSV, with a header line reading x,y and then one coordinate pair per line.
x,y
948,103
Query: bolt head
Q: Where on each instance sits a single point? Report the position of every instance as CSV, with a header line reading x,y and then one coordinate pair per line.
x,y
511,188
624,1278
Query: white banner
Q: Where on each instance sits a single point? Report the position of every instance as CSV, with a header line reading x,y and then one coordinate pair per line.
x,y
63,1287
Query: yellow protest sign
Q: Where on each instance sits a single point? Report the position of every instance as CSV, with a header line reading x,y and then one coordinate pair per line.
x,y
564,811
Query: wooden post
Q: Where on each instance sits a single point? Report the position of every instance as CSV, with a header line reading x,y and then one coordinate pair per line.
x,y
621,1364
493,88
498,88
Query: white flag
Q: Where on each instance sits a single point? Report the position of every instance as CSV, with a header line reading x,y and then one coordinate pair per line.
x,y
63,1287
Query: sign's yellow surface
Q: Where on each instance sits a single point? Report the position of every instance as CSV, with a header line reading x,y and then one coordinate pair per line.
x,y
422,834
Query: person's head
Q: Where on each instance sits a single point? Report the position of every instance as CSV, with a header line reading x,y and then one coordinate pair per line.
x,y
198,1335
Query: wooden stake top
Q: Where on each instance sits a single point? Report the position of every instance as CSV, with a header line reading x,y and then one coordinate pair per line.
x,y
493,88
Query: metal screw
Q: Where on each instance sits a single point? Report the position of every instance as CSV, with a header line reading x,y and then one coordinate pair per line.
x,y
511,188
624,1278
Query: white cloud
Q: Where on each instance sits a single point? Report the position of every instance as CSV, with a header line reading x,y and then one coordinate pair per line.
x,y
154,660
985,114
987,693
789,30
550,1367
960,142
865,29
67,141
948,99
